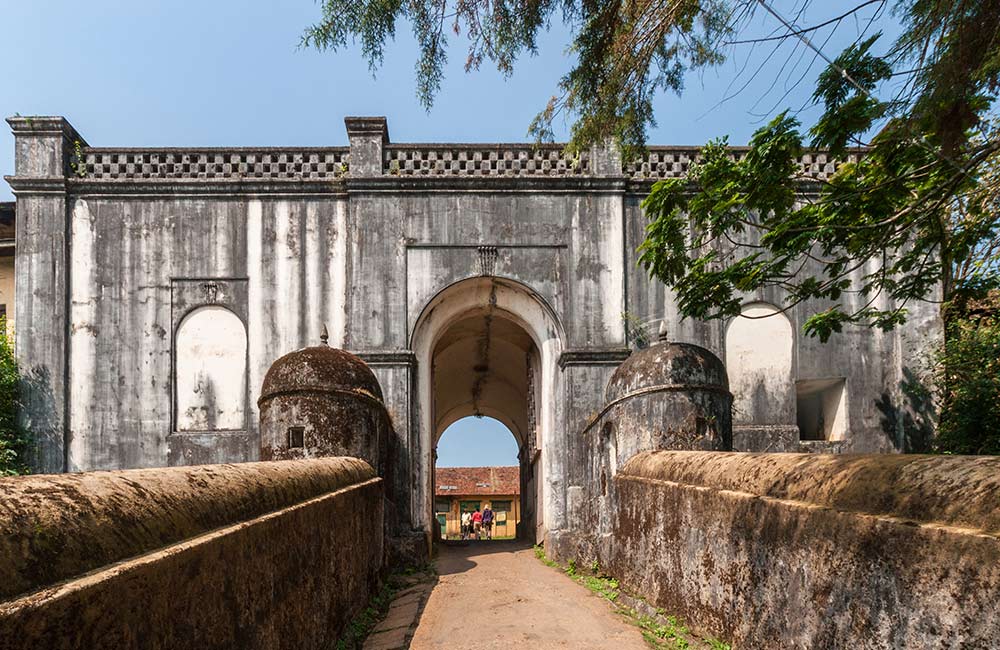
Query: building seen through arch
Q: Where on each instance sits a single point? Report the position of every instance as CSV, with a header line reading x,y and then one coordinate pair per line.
x,y
477,465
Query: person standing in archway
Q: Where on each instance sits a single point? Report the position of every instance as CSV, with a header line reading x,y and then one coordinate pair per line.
x,y
488,521
477,522
466,524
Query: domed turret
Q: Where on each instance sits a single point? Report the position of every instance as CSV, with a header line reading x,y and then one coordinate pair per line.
x,y
665,365
322,401
320,368
668,396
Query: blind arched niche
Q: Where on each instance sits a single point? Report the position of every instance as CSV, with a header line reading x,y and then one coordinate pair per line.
x,y
210,372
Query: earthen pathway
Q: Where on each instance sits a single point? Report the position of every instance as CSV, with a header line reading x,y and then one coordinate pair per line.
x,y
499,595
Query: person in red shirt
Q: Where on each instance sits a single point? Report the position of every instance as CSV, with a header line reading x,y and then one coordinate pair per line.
x,y
477,521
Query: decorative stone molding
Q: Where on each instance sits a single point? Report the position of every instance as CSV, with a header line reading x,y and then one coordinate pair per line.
x,y
484,160
593,357
674,162
216,164
397,358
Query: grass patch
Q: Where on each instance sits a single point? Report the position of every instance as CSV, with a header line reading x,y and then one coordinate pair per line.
x,y
363,624
662,632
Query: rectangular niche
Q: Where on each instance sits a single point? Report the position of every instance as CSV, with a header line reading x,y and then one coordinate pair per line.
x,y
821,408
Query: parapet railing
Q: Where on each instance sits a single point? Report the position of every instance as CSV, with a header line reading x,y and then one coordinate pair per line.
x,y
674,162
320,163
407,160
484,160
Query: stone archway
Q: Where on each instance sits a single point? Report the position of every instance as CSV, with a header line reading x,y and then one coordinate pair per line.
x,y
489,346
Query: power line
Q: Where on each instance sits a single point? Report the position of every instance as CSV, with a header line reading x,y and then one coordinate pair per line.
x,y
798,33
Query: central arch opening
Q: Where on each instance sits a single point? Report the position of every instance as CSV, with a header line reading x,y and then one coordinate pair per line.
x,y
484,365
490,346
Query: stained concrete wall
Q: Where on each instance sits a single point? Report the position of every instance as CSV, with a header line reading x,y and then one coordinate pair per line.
x,y
260,555
878,367
114,249
814,551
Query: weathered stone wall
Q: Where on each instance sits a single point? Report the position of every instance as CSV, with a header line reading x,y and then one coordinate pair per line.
x,y
259,555
118,247
814,551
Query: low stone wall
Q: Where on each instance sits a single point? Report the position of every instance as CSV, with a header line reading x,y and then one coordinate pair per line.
x,y
814,551
256,555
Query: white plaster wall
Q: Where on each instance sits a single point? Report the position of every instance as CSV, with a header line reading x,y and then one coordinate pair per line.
x,y
83,317
211,347
759,362
835,412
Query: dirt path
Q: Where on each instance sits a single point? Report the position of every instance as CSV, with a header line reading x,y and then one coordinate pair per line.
x,y
499,595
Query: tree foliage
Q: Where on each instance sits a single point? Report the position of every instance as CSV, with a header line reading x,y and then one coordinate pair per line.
x,y
967,379
14,441
910,214
908,217
625,52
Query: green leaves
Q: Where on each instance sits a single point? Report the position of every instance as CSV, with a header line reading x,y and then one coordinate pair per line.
x,y
14,441
908,220
967,381
845,89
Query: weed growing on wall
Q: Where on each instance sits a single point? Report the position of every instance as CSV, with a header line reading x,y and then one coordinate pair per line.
x,y
14,441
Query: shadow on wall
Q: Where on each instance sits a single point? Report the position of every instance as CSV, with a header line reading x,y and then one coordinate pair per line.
x,y
38,415
909,426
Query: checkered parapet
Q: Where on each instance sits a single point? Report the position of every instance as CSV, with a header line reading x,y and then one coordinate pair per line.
x,y
674,162
330,163
485,160
121,164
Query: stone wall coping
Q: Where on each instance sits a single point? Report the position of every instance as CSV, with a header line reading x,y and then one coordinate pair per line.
x,y
57,526
38,600
955,491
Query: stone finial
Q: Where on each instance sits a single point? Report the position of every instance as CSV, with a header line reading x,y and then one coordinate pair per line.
x,y
368,137
324,338
662,335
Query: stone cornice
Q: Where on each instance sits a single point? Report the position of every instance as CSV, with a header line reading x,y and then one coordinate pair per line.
x,y
37,184
388,358
361,125
249,186
593,357
493,184
44,125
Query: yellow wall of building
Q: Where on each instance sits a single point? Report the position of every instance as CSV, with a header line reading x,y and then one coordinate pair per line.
x,y
7,289
453,518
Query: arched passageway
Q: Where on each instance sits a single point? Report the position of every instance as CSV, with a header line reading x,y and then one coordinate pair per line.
x,y
488,346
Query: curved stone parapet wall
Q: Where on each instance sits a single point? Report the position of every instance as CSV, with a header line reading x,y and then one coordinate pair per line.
x,y
256,555
814,551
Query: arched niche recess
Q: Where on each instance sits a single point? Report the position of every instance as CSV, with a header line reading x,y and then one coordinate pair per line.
x,y
210,371
759,353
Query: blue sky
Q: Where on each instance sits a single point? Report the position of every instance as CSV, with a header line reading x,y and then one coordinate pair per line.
x,y
227,72
475,442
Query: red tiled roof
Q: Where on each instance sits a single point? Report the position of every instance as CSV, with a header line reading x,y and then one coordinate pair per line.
x,y
477,481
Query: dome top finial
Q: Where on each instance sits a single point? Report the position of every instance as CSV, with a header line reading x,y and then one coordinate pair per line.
x,y
324,338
